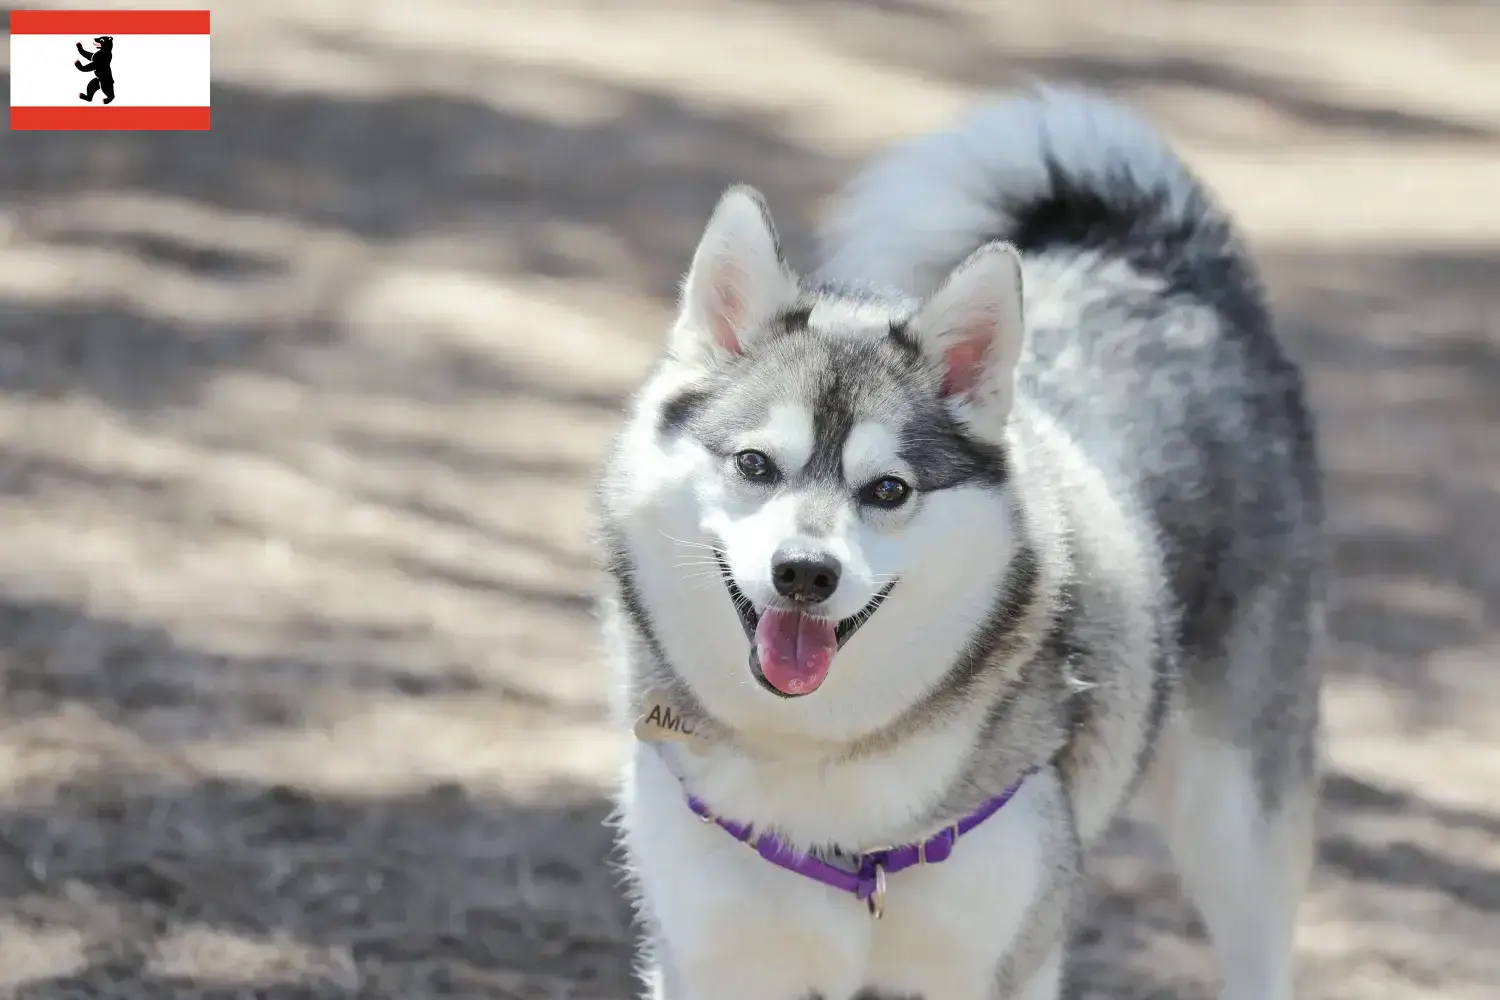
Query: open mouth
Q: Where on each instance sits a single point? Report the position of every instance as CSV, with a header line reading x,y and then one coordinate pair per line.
x,y
791,651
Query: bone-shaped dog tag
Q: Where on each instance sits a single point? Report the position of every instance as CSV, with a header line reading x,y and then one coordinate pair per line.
x,y
663,721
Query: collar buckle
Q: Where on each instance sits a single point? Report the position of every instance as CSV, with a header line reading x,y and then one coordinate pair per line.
x,y
876,902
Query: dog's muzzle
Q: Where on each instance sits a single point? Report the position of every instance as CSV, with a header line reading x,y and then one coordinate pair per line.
x,y
750,618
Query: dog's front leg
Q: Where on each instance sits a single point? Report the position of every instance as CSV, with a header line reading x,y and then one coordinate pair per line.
x,y
989,922
727,924
1034,967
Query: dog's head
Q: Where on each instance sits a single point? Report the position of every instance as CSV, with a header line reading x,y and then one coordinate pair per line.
x,y
834,466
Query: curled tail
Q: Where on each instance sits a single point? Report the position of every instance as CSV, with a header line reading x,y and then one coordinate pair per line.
x,y
1055,170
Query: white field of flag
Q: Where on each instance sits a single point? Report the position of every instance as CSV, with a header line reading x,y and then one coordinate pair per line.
x,y
151,72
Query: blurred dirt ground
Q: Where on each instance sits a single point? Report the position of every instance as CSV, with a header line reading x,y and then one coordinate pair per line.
x,y
300,694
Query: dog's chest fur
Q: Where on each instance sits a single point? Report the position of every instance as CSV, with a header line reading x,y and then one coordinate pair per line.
x,y
945,927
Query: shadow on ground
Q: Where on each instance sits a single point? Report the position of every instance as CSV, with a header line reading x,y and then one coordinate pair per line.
x,y
960,46
219,889
510,183
1402,355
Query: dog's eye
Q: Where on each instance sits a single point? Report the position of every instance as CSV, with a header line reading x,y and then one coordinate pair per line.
x,y
755,465
887,491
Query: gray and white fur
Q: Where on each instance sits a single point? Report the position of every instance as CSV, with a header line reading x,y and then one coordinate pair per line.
x,y
1102,572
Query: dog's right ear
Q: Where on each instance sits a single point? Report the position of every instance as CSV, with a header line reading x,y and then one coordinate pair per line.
x,y
737,282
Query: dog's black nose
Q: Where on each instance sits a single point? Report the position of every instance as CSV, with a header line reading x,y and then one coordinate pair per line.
x,y
804,577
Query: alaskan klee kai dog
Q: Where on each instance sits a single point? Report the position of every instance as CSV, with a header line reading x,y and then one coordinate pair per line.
x,y
923,564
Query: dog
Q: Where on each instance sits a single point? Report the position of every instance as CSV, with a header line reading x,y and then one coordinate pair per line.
x,y
923,563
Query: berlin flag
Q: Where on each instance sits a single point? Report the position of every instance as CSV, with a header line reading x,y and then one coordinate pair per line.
x,y
109,69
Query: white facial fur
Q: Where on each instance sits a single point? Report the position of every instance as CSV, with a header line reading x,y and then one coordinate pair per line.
x,y
752,522
947,571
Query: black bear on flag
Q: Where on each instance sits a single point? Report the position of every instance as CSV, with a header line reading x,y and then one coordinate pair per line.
x,y
98,64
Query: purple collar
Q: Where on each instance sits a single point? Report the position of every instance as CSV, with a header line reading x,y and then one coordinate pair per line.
x,y
865,878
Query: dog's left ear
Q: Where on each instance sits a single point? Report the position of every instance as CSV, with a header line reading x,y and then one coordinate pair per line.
x,y
973,327
738,281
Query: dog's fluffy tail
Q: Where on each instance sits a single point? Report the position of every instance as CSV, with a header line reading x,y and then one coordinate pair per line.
x,y
1055,169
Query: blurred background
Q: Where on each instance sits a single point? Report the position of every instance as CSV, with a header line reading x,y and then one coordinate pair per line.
x,y
299,695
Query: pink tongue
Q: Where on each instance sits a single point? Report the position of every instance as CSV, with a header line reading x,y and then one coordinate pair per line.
x,y
795,651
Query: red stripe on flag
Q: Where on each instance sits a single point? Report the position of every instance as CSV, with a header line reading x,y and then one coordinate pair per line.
x,y
109,22
98,119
